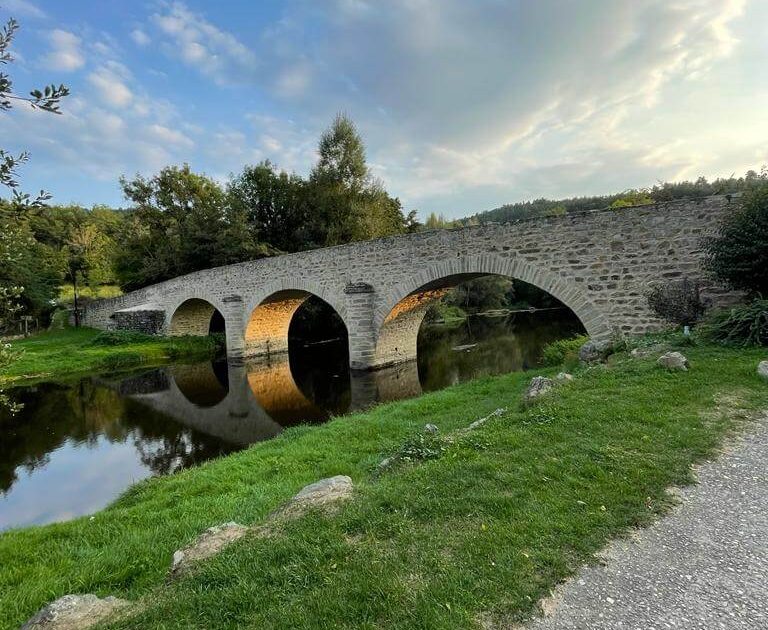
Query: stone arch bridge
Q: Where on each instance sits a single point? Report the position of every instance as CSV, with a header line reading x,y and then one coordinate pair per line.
x,y
598,263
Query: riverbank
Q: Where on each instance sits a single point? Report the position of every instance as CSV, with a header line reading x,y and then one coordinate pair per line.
x,y
478,531
69,352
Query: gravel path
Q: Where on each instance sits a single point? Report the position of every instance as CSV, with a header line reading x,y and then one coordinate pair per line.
x,y
704,566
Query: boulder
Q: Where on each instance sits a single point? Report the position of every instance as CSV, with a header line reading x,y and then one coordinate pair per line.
x,y
325,494
673,361
564,377
594,351
208,544
539,386
762,369
74,612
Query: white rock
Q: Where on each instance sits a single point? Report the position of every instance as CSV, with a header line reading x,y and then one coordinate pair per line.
x,y
673,361
324,493
564,377
762,369
74,612
539,386
208,544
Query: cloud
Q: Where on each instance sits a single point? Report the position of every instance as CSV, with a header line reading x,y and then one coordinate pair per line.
x,y
200,44
139,37
109,82
454,96
65,54
23,7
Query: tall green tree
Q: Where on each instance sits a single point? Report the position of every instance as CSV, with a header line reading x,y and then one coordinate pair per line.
x,y
347,203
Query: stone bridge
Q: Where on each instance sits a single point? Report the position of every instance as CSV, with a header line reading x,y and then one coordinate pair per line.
x,y
598,263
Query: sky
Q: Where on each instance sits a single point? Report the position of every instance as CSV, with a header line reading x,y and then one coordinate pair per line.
x,y
463,106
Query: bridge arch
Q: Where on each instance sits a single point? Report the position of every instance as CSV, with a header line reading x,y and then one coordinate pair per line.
x,y
270,313
400,312
196,315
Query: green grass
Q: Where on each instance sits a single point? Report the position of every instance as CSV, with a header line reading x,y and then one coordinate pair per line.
x,y
69,352
100,292
481,532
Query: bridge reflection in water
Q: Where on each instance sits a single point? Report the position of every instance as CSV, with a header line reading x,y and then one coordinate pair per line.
x,y
254,401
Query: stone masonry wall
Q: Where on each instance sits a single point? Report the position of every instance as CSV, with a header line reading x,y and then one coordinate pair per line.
x,y
599,263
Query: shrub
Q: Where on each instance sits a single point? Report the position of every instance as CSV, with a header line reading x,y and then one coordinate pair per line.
x,y
120,338
563,351
738,255
677,302
744,325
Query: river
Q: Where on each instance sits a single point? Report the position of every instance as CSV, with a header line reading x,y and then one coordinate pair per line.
x,y
75,447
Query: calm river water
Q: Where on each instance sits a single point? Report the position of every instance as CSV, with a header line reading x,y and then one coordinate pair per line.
x,y
75,447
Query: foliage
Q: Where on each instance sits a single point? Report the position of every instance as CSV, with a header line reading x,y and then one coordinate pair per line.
x,y
677,302
563,351
438,222
743,325
95,292
482,294
421,446
738,254
347,203
176,226
630,198
502,524
273,206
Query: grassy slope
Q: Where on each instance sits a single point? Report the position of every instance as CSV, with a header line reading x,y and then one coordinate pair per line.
x,y
69,351
484,531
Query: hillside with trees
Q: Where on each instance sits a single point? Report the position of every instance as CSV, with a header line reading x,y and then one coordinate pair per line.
x,y
663,191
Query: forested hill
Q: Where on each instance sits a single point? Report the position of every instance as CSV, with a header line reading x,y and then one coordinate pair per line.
x,y
661,192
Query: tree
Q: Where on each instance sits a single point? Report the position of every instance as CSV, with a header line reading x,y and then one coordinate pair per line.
x,y
738,255
175,226
347,203
274,206
14,231
342,156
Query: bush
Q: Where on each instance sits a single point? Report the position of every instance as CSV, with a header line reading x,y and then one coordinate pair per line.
x,y
677,302
738,255
563,351
120,338
744,325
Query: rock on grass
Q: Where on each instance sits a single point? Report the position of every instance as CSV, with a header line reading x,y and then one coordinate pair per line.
x,y
673,361
75,612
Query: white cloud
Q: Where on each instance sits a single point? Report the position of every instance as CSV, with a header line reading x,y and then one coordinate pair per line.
x,y
23,7
66,54
139,37
167,136
197,42
108,80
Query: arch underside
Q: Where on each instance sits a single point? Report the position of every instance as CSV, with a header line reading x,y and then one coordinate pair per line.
x,y
192,317
399,316
267,329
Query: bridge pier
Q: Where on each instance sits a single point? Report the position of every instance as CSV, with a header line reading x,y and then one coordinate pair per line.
x,y
361,331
